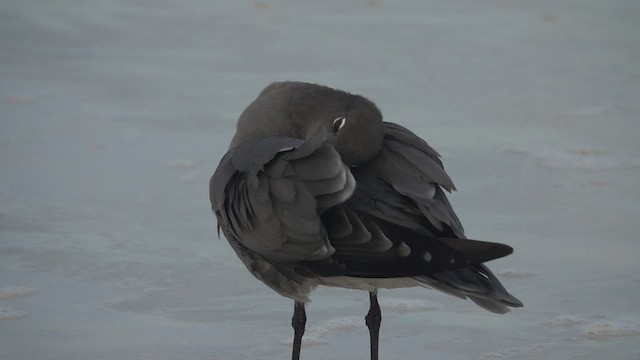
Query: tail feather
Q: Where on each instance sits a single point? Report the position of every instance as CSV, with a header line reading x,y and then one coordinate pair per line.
x,y
475,282
491,305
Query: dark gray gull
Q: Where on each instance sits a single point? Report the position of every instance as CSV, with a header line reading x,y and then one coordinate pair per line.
x,y
316,189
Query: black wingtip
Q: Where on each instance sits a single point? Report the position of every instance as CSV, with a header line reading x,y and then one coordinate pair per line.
x,y
477,251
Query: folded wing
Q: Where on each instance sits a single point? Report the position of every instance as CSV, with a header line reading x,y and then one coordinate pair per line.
x,y
268,195
399,223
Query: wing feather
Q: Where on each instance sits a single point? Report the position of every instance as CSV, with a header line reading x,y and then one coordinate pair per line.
x,y
398,221
268,195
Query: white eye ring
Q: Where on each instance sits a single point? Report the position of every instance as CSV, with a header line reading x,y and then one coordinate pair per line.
x,y
338,123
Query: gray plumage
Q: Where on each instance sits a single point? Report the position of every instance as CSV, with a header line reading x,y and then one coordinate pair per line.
x,y
317,189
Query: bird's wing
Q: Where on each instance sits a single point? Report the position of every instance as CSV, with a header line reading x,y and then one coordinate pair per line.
x,y
268,195
414,171
399,222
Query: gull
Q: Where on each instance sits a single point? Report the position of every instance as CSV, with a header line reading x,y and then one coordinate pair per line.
x,y
316,189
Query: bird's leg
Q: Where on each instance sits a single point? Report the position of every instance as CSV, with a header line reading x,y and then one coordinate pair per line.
x,y
373,318
298,321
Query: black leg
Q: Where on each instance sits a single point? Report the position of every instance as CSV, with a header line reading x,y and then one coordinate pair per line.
x,y
297,321
373,318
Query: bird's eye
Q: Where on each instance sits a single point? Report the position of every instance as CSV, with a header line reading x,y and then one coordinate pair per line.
x,y
338,123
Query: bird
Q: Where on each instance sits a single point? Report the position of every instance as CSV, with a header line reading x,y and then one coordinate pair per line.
x,y
316,189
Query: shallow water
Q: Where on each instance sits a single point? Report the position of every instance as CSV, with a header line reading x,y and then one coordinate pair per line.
x,y
115,113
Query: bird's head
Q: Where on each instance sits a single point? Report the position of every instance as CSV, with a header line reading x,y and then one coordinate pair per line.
x,y
302,110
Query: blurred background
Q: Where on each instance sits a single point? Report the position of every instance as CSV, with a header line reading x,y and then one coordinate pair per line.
x,y
114,114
